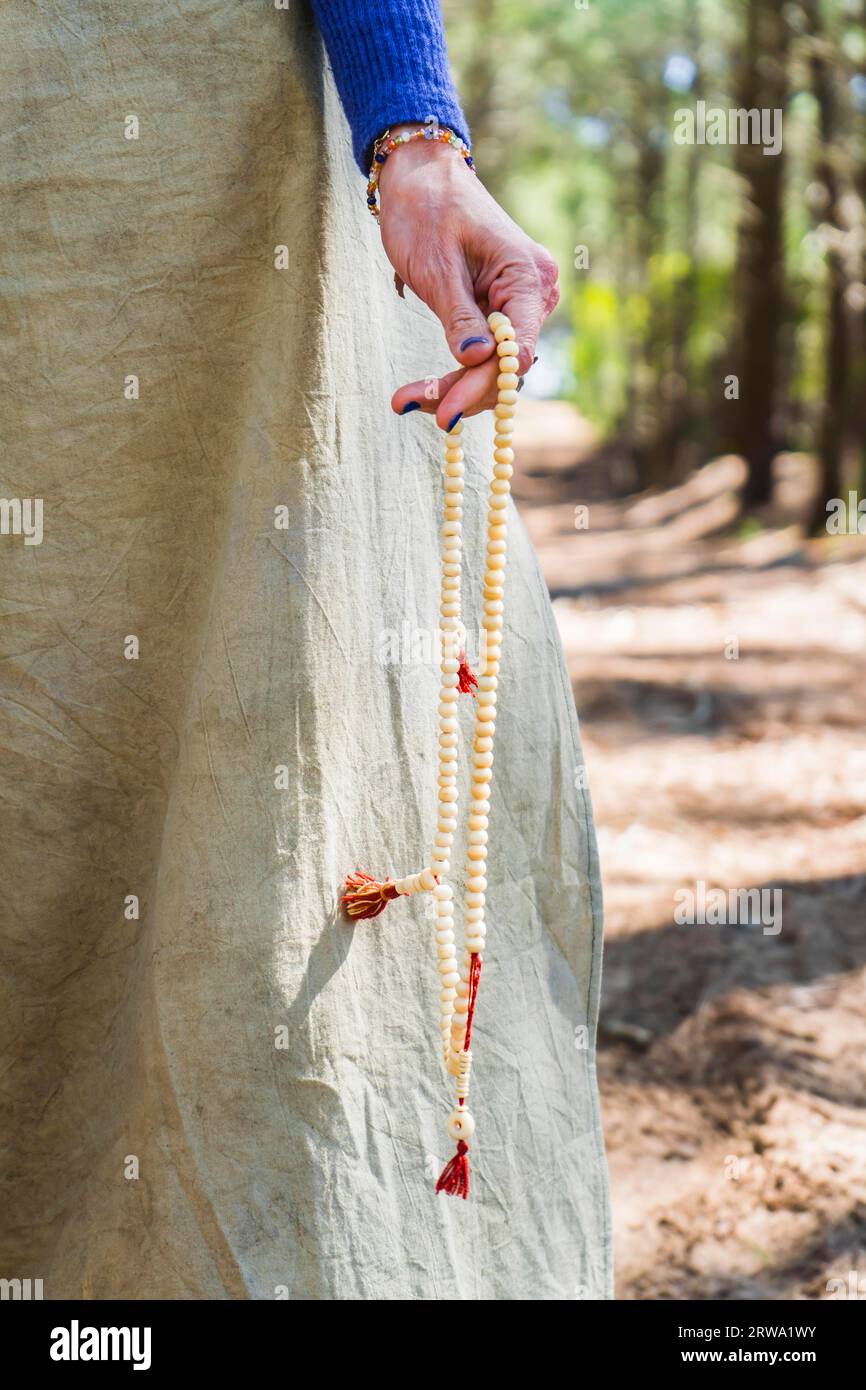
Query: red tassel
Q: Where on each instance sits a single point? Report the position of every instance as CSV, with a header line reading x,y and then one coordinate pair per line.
x,y
364,896
455,1175
466,678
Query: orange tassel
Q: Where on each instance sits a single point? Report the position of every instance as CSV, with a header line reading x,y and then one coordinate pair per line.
x,y
364,896
455,1175
466,677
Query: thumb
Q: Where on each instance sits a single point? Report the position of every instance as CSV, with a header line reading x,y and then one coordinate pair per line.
x,y
469,337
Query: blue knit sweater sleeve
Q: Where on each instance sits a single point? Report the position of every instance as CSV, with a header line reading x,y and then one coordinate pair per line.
x,y
390,65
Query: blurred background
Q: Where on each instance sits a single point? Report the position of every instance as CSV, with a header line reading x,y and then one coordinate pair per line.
x,y
691,460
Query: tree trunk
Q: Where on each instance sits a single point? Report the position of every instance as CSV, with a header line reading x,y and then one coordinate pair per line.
x,y
759,279
832,419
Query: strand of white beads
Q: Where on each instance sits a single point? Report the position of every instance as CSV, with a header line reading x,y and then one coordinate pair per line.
x,y
366,897
458,996
450,632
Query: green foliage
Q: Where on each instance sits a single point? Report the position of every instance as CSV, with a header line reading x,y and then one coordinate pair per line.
x,y
573,113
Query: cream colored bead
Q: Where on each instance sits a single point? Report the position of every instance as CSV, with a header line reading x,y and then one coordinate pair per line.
x,y
460,1124
503,332
507,382
507,363
504,411
478,822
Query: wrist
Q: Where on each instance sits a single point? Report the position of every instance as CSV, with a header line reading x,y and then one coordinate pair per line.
x,y
405,163
408,157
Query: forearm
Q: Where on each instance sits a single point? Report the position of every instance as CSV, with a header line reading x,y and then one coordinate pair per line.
x,y
390,65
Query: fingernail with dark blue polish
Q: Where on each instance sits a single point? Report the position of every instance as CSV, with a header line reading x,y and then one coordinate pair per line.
x,y
410,405
454,421
468,342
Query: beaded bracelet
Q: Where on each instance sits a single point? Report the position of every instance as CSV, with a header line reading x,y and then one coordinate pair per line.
x,y
387,143
364,896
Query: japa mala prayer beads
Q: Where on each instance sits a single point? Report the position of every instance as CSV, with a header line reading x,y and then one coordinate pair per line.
x,y
364,896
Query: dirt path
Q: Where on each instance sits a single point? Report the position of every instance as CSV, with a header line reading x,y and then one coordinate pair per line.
x,y
721,686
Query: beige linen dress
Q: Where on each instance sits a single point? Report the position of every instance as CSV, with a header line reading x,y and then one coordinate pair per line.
x,y
212,1087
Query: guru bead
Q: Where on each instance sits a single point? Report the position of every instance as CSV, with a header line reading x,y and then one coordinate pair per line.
x,y
460,1125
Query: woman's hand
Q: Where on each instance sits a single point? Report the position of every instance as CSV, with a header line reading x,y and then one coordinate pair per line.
x,y
453,245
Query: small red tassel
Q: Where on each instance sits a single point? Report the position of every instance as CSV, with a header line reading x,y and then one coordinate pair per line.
x,y
455,1175
466,678
364,896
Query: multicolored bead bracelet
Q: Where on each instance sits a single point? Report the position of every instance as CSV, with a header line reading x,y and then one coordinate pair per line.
x,y
387,143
